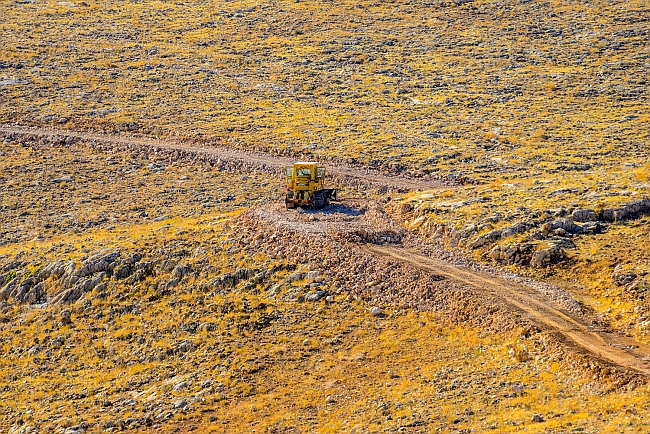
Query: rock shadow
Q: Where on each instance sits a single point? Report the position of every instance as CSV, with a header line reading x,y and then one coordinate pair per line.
x,y
337,208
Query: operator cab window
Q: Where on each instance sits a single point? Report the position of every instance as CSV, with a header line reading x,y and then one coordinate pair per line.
x,y
321,173
289,172
304,171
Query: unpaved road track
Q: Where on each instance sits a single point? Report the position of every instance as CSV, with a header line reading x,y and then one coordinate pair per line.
x,y
539,310
568,328
223,154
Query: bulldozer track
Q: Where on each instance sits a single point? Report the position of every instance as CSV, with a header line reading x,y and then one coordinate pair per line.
x,y
572,330
224,154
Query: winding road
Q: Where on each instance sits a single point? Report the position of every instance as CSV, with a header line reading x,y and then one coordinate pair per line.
x,y
223,154
571,329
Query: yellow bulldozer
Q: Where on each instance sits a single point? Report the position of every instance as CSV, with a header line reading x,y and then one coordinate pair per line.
x,y
306,186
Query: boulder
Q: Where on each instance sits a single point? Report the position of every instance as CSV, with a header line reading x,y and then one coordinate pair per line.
x,y
584,215
548,256
567,225
315,296
484,239
621,276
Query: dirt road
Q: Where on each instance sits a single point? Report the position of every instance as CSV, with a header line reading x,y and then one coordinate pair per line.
x,y
224,154
569,328
606,345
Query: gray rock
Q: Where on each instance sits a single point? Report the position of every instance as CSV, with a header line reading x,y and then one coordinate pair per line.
x,y
180,386
538,418
57,342
181,403
567,225
70,295
376,311
548,256
517,228
485,239
35,349
591,228
122,271
295,277
584,215
512,254
312,276
184,347
208,327
66,178
8,289
260,277
180,271
173,283
559,232
65,317
315,296
564,243
244,273
622,277
53,269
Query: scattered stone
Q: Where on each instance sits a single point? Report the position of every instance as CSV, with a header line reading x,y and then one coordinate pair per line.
x,y
313,276
57,342
181,403
376,311
185,346
538,418
62,179
207,327
315,296
178,387
65,317
621,276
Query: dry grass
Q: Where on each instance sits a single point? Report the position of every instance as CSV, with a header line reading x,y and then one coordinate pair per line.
x,y
433,86
526,98
319,367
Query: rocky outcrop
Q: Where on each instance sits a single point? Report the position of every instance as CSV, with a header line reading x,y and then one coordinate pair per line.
x,y
584,215
627,211
548,256
519,254
230,280
59,282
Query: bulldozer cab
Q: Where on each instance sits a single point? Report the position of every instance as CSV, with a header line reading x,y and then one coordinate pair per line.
x,y
305,176
306,186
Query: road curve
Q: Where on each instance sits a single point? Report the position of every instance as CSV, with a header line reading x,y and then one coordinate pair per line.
x,y
571,329
223,154
605,345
